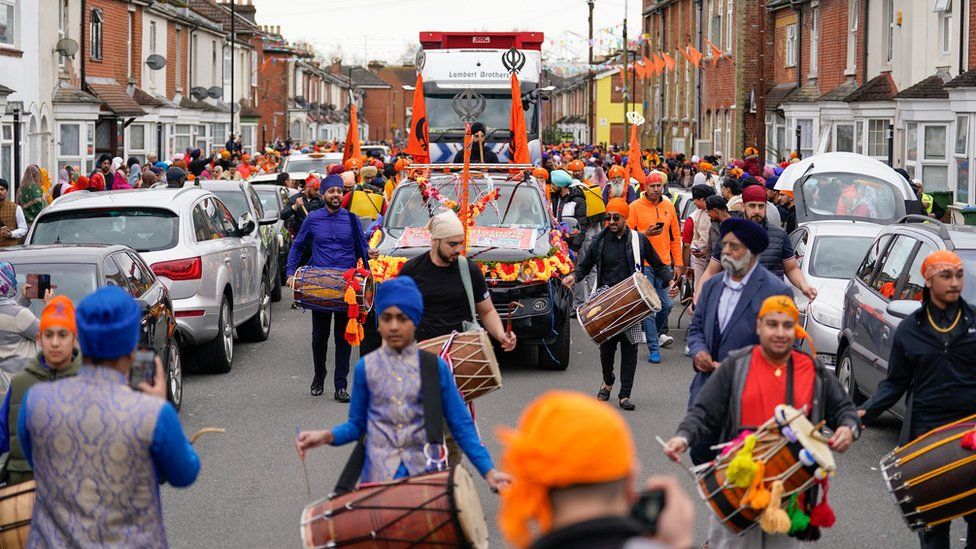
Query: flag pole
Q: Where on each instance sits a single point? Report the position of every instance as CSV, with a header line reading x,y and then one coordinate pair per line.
x,y
465,174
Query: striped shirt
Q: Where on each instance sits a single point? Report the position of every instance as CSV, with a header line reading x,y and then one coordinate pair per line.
x,y
18,330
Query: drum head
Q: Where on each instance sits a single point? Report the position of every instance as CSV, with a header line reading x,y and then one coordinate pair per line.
x,y
490,356
469,512
806,435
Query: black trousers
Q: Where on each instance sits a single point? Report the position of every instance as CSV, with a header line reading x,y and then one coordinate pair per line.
x,y
628,363
321,321
938,537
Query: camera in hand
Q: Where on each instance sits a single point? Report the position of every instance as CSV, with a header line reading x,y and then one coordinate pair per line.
x,y
648,509
143,369
39,285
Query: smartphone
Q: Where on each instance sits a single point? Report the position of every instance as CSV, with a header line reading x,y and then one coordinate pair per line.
x,y
659,225
39,285
648,509
143,369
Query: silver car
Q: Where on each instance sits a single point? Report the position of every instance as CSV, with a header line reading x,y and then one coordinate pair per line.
x,y
193,244
829,252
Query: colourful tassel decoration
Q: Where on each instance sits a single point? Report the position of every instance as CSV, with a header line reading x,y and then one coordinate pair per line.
x,y
774,519
353,310
740,438
757,497
742,468
822,515
352,332
799,521
350,296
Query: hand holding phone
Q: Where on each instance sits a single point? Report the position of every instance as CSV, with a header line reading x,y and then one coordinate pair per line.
x,y
143,369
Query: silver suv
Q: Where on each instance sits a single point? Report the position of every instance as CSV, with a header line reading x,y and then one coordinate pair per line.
x,y
207,259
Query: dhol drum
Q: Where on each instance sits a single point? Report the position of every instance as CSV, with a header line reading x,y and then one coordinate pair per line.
x,y
16,508
471,358
793,451
933,478
432,510
623,305
322,289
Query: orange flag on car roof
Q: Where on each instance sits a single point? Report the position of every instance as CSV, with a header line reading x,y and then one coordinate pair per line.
x,y
418,142
352,136
519,146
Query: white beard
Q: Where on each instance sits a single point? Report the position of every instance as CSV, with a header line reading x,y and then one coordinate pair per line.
x,y
618,190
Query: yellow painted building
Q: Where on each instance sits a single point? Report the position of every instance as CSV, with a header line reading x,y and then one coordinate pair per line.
x,y
610,119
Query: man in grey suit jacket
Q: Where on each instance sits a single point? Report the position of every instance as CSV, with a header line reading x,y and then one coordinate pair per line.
x,y
725,317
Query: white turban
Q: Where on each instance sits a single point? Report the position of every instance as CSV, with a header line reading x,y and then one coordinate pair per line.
x,y
445,225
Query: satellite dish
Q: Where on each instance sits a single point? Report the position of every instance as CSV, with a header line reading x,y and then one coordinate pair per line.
x,y
66,47
199,93
215,92
156,62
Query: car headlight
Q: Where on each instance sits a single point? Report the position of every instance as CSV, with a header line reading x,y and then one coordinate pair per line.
x,y
828,316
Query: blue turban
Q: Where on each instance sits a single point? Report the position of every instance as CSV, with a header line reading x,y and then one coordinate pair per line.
x,y
752,235
108,324
771,182
561,178
400,292
330,181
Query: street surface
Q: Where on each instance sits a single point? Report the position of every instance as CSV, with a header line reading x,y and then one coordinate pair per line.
x,y
251,490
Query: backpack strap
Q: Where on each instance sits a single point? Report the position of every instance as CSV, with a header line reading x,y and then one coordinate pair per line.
x,y
466,282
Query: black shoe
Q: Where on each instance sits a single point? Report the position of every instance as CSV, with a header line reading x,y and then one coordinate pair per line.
x,y
341,395
626,404
604,393
317,390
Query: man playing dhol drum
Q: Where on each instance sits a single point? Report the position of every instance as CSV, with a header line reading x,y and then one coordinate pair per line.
x,y
933,359
744,391
337,242
386,399
613,255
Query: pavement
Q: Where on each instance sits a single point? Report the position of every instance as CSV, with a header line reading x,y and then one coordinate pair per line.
x,y
251,489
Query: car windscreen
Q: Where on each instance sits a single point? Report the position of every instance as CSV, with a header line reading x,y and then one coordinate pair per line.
x,y
235,201
268,200
526,211
73,280
837,256
850,196
317,165
143,229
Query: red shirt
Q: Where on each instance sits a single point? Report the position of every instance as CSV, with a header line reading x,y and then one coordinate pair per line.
x,y
764,390
688,231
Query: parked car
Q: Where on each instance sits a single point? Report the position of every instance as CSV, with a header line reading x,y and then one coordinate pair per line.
x,y
544,318
684,206
381,152
829,253
240,198
77,270
298,166
273,199
190,240
887,288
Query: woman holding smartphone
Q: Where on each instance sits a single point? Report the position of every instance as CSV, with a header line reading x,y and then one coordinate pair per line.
x,y
18,325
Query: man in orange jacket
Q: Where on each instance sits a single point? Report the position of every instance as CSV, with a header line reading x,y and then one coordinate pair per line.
x,y
658,220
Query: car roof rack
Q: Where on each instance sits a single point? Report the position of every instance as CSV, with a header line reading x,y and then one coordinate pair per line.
x,y
932,223
479,167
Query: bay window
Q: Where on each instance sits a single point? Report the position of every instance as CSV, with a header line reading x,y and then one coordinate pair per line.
x,y
960,155
926,155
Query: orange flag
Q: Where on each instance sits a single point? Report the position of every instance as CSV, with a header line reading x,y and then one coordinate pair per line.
x,y
518,149
658,63
640,70
352,136
634,167
649,67
418,142
716,53
669,62
692,55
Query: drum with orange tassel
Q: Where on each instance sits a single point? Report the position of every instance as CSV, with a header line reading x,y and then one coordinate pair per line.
x,y
786,453
324,289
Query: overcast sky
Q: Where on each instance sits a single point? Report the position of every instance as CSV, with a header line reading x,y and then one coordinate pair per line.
x,y
384,29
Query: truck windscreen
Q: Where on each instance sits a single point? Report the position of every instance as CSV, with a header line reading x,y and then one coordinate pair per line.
x,y
441,116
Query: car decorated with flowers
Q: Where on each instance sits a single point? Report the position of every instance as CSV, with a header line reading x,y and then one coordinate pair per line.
x,y
513,238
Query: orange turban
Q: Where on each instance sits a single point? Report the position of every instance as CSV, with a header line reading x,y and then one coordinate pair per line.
x,y
784,304
656,177
540,173
353,164
942,260
60,312
618,206
705,166
564,439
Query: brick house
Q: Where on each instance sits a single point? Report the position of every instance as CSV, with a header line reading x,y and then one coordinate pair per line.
x,y
376,98
565,111
402,80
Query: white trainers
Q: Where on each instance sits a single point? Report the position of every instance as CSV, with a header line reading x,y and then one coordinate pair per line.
x,y
664,340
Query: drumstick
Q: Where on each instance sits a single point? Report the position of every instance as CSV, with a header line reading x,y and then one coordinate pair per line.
x,y
512,307
308,485
204,431
664,445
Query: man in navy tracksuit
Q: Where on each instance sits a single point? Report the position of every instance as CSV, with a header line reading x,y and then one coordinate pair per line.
x,y
337,242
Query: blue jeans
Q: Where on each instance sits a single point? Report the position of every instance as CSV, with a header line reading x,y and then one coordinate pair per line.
x,y
656,324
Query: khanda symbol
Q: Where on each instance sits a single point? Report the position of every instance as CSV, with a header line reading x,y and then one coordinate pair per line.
x,y
468,105
421,133
635,118
513,60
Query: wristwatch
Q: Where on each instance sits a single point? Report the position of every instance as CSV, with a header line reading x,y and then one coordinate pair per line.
x,y
856,432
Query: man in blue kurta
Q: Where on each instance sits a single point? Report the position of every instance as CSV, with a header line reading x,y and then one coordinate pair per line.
x,y
387,405
98,448
336,240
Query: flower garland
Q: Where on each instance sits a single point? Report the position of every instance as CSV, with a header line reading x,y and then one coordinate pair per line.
x,y
354,328
428,191
479,206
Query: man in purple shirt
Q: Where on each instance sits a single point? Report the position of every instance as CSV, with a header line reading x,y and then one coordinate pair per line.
x,y
337,242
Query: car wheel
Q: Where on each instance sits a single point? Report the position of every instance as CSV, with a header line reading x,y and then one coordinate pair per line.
x,y
556,356
845,374
216,357
258,327
174,375
276,289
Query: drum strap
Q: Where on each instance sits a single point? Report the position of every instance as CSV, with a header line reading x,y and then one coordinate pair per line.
x,y
789,381
466,282
635,245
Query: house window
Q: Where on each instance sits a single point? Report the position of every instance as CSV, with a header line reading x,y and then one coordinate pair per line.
x,y
806,136
791,45
911,142
8,22
877,143
70,142
844,138
254,69
152,37
728,134
218,132
95,35
70,139
201,138
715,26
228,61
889,31
214,66
944,9
181,137
961,158
137,143
926,154
7,151
814,40
852,16
62,28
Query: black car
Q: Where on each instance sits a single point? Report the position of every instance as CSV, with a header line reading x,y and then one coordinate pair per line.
x,y
78,270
